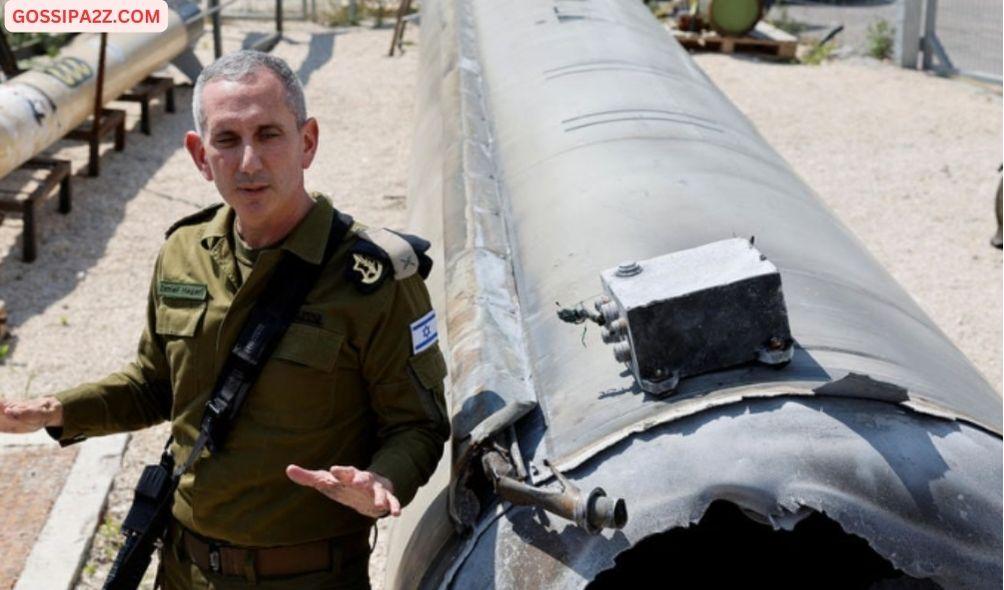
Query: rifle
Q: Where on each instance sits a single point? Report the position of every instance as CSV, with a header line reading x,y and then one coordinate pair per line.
x,y
145,524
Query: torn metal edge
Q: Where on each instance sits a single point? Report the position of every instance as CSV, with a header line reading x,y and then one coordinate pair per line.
x,y
719,399
483,310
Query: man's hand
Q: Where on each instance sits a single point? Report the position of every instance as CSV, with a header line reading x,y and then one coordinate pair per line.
x,y
367,493
30,415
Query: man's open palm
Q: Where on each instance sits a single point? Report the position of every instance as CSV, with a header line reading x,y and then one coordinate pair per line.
x,y
365,492
28,415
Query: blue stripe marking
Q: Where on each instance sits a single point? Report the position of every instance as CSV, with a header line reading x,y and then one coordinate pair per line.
x,y
427,342
429,317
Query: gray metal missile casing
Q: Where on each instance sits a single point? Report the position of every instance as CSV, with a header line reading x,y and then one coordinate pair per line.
x,y
556,139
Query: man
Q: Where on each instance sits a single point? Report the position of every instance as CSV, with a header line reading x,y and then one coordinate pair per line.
x,y
346,420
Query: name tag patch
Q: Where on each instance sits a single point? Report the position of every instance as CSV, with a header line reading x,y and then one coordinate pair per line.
x,y
423,332
191,291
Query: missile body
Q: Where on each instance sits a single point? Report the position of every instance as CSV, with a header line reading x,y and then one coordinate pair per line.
x,y
39,106
559,139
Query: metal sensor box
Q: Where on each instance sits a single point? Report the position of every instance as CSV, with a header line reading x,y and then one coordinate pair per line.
x,y
695,311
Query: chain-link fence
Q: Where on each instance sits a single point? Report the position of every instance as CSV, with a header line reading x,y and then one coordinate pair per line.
x,y
964,37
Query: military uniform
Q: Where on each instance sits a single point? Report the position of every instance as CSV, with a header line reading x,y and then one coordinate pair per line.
x,y
357,380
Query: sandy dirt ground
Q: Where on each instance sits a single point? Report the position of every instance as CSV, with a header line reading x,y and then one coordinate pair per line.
x,y
31,482
906,160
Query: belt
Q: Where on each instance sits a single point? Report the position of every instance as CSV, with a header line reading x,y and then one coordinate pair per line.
x,y
287,560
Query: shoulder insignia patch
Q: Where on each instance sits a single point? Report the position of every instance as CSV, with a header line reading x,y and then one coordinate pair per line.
x,y
197,217
380,253
369,269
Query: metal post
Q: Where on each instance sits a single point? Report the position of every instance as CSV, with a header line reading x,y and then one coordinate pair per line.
x,y
28,240
278,17
214,6
397,38
930,21
908,33
7,59
99,91
98,98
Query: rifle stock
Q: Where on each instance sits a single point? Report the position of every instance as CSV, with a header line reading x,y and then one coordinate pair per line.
x,y
144,524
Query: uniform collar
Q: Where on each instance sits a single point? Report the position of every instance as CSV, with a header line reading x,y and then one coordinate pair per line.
x,y
307,240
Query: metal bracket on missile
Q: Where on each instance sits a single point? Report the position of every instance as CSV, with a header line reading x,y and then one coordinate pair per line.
x,y
691,312
593,512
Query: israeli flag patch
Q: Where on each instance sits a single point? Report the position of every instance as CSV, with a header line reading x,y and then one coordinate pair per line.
x,y
423,332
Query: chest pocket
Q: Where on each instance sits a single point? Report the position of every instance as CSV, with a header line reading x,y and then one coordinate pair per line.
x,y
296,388
179,317
179,323
309,346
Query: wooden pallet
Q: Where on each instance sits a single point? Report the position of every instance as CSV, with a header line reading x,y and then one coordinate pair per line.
x,y
765,39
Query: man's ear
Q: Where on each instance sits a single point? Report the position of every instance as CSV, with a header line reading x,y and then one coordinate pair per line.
x,y
196,149
310,134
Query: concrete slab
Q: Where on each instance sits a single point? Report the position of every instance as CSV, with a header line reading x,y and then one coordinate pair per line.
x,y
31,479
61,547
32,439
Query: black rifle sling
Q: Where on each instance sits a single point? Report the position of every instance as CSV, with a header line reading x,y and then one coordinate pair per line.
x,y
267,322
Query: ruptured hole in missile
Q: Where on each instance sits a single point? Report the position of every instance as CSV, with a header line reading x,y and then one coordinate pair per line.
x,y
727,549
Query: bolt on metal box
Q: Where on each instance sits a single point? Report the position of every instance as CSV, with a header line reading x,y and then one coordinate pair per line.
x,y
695,311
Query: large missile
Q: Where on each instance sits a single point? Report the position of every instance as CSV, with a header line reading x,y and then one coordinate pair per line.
x,y
40,106
556,140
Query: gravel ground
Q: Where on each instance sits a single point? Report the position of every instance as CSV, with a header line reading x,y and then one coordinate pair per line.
x,y
32,480
906,160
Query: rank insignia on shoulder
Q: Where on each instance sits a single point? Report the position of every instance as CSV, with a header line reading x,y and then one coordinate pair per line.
x,y
380,253
197,217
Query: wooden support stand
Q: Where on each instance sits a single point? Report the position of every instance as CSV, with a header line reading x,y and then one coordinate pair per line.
x,y
111,120
24,204
144,92
4,333
763,40
8,61
397,40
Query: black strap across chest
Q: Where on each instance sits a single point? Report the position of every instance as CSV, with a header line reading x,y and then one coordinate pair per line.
x,y
268,320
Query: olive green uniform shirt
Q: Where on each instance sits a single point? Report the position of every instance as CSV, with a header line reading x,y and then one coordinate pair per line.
x,y
245,255
342,388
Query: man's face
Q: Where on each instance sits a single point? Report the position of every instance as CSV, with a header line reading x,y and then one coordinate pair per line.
x,y
251,147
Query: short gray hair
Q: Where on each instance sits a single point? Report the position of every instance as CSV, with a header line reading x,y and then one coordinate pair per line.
x,y
245,64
